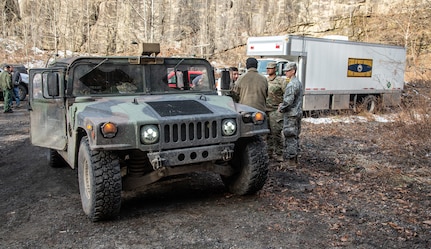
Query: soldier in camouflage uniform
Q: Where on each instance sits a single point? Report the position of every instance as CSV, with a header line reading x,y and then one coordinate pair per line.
x,y
276,86
7,86
291,107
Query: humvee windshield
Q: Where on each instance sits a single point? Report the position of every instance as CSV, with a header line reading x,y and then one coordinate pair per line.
x,y
107,77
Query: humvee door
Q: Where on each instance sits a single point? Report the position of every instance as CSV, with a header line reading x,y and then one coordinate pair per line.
x,y
47,109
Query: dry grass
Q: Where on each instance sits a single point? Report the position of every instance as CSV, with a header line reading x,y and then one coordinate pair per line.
x,y
413,122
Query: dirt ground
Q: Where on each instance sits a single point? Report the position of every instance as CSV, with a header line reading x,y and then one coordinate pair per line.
x,y
358,185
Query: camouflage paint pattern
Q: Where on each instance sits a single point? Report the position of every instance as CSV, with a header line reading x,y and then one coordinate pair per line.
x,y
95,91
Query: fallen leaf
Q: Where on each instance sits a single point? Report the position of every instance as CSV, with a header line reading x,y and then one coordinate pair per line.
x,y
395,226
402,201
345,238
428,222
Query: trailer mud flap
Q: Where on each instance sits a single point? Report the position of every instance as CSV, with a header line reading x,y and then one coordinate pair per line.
x,y
316,102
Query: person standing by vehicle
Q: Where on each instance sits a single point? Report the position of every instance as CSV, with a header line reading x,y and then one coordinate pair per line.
x,y
233,75
276,87
6,85
252,88
16,79
291,107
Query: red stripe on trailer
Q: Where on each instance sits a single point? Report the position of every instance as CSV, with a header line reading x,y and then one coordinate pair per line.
x,y
315,89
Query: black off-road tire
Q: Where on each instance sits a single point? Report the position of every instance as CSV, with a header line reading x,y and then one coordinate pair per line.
x,y
55,160
22,92
99,182
251,164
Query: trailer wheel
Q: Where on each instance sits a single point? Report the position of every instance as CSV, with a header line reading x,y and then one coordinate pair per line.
x,y
55,160
251,164
369,104
99,182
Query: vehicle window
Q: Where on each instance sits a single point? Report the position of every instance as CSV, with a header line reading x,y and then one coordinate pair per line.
x,y
37,86
105,77
108,78
183,78
40,88
261,66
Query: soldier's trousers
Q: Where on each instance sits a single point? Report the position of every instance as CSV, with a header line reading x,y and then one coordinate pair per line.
x,y
291,131
7,97
275,137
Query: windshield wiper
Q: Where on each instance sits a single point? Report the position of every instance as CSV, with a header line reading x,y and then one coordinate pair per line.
x,y
98,65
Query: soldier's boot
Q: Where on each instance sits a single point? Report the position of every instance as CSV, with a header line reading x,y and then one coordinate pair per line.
x,y
290,162
278,158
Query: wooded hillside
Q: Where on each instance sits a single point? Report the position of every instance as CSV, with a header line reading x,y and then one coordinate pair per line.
x,y
217,30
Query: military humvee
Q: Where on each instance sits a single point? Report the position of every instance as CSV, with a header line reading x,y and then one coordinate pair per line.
x,y
127,122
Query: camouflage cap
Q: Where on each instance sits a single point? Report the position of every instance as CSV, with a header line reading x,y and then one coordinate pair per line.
x,y
271,65
290,66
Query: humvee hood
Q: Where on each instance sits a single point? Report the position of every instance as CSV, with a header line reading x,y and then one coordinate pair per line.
x,y
137,108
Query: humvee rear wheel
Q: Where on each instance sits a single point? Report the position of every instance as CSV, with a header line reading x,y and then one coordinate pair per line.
x,y
99,182
251,164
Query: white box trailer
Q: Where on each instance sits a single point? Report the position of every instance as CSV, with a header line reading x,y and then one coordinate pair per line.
x,y
338,74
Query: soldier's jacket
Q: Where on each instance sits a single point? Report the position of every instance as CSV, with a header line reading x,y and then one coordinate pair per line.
x,y
5,80
276,89
292,99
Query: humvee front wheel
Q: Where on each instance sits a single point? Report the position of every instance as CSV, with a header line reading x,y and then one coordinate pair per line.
x,y
99,182
250,162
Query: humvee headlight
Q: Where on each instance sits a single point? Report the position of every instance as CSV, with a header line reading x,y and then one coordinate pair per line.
x,y
150,134
109,130
228,127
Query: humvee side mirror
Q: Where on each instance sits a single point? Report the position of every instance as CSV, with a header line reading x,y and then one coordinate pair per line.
x,y
186,80
225,79
53,85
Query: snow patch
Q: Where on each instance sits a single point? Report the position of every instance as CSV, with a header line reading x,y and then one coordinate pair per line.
x,y
351,119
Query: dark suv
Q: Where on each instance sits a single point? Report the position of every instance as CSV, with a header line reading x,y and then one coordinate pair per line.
x,y
17,67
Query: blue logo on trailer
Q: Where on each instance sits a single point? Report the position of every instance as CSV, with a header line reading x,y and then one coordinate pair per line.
x,y
360,68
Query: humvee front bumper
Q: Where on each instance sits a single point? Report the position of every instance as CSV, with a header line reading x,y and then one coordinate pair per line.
x,y
177,157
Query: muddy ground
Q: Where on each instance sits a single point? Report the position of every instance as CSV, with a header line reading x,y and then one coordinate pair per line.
x,y
358,185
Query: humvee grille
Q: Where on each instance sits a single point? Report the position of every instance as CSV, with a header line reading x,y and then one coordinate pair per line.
x,y
190,132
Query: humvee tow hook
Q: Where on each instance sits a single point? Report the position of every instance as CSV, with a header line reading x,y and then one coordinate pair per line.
x,y
227,154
